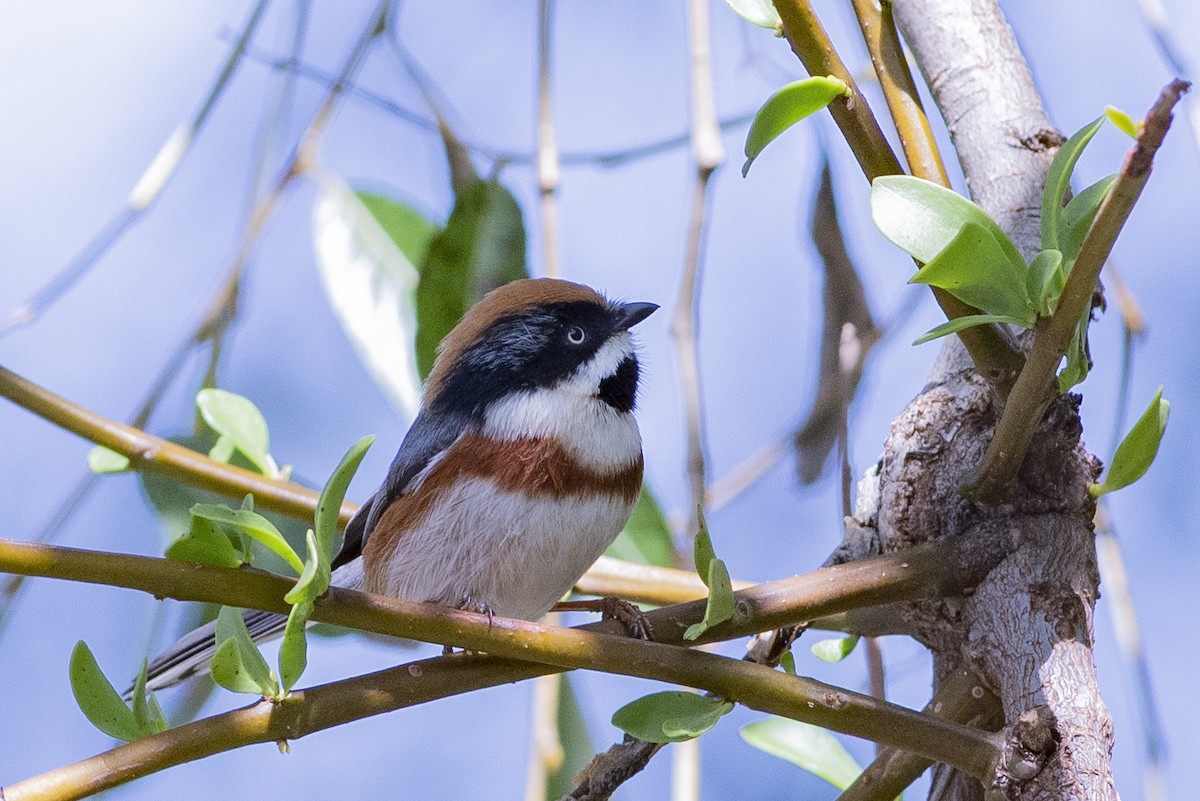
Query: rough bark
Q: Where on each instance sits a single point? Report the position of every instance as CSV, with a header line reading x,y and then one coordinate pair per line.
x,y
1027,629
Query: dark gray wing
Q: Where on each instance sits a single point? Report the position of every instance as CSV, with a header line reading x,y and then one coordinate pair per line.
x,y
426,438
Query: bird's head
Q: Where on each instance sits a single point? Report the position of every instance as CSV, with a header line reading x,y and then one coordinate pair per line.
x,y
537,334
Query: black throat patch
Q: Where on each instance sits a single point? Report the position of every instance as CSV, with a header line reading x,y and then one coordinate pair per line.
x,y
619,390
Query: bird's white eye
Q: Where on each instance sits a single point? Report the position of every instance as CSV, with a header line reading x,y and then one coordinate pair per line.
x,y
576,335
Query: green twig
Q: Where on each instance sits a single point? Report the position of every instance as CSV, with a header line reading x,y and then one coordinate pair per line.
x,y
760,608
1036,386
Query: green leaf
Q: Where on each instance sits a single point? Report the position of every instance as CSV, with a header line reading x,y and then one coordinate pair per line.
x,y
1137,450
1045,281
646,538
702,552
788,106
720,600
1078,215
99,702
239,422
293,651
806,746
367,250
976,269
1078,362
835,649
330,504
1123,122
922,218
1058,181
788,663
237,665
308,587
966,321
102,460
205,544
147,714
481,248
252,524
757,12
670,717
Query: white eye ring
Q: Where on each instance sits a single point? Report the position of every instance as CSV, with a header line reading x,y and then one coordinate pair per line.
x,y
576,335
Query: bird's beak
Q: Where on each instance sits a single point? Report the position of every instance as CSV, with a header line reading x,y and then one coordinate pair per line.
x,y
630,314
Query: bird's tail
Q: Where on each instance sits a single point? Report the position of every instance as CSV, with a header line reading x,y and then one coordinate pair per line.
x,y
193,653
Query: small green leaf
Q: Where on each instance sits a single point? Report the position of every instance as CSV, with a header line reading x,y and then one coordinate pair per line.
x,y
835,649
207,545
1123,122
99,702
102,460
1045,281
330,504
308,587
702,552
809,747
1079,364
293,651
922,218
975,268
1058,180
1078,215
720,600
237,665
1137,450
670,717
238,420
252,524
757,12
966,321
788,106
481,248
788,663
646,538
147,714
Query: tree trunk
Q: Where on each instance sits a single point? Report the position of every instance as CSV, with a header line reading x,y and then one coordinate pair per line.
x,y
1027,629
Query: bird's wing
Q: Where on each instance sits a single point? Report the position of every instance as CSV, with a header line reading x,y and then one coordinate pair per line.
x,y
426,438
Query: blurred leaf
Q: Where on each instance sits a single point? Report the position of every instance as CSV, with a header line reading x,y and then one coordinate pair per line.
x,y
843,301
1079,361
1058,181
577,748
99,702
646,538
1045,281
1078,215
787,107
834,649
1123,122
757,12
481,248
293,651
788,663
205,544
101,460
367,269
1137,450
806,746
253,524
703,552
922,218
976,269
237,420
670,717
237,665
959,323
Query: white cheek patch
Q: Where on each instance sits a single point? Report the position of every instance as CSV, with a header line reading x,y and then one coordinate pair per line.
x,y
593,432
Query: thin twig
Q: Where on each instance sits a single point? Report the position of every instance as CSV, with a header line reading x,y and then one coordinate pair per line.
x,y
548,167
143,195
935,566
707,153
1036,385
899,90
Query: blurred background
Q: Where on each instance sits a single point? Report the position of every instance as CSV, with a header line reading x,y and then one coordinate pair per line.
x,y
90,91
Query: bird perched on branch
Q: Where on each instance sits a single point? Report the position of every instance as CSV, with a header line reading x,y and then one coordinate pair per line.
x,y
522,466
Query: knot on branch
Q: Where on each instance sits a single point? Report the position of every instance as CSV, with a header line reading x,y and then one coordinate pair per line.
x,y
1033,741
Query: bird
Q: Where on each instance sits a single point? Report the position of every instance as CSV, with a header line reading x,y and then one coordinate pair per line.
x,y
522,466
